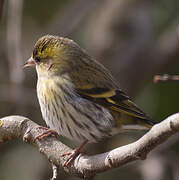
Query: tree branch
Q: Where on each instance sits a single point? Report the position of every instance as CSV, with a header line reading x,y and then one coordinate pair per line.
x,y
87,166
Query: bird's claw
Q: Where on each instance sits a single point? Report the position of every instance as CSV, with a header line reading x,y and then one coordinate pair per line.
x,y
48,132
72,155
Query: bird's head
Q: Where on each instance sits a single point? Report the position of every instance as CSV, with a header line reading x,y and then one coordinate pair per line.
x,y
53,55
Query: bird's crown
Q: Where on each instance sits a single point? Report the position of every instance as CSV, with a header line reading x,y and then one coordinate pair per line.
x,y
47,46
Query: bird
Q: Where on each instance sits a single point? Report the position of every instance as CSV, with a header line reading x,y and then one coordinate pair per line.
x,y
79,98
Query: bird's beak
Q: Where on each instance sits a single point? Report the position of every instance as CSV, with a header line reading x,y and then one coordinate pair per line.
x,y
30,62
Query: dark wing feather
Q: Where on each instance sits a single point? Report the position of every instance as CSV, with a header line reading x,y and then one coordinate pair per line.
x,y
95,83
113,99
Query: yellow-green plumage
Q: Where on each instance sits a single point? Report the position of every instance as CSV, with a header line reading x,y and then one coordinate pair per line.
x,y
78,96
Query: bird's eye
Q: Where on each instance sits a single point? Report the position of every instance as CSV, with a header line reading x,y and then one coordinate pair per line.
x,y
37,59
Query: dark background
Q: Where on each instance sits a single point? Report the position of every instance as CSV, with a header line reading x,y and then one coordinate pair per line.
x,y
134,39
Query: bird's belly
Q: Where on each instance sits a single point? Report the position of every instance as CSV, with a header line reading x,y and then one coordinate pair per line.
x,y
77,118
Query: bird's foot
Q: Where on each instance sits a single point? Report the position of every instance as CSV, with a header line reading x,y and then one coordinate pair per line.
x,y
48,132
72,155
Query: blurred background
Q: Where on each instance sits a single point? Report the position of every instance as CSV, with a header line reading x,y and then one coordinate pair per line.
x,y
134,39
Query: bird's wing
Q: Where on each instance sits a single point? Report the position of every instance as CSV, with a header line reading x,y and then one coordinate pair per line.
x,y
94,82
114,99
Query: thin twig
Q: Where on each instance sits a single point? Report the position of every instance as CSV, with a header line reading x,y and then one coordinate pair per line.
x,y
55,169
165,78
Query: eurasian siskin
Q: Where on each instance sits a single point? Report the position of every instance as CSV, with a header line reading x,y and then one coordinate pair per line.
x,y
78,96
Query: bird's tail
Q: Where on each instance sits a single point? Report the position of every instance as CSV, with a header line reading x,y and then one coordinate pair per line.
x,y
127,122
148,122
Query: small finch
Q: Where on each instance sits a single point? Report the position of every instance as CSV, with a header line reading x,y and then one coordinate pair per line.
x,y
78,97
